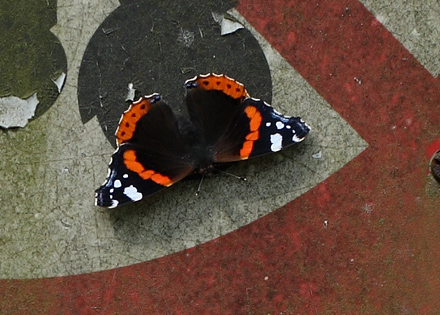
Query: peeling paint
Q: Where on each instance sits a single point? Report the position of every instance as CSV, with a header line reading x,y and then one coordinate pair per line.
x,y
131,92
227,23
16,112
59,82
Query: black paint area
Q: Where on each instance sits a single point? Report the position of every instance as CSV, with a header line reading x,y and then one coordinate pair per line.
x,y
157,45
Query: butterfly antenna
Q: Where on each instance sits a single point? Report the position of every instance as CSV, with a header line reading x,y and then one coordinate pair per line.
x,y
230,174
200,185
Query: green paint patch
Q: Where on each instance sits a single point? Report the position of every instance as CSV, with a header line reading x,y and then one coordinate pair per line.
x,y
31,57
22,178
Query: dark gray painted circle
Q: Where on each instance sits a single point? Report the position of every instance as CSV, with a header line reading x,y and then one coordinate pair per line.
x,y
157,45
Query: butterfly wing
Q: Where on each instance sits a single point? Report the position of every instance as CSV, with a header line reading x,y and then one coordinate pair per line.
x,y
150,155
230,126
269,131
236,126
213,103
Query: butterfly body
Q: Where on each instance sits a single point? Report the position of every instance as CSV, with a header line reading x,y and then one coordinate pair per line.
x,y
156,149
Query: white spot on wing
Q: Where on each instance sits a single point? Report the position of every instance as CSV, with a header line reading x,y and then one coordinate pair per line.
x,y
268,124
279,125
297,139
276,141
125,175
114,203
132,193
117,183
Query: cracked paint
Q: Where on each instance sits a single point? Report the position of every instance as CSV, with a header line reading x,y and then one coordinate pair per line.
x,y
171,221
359,237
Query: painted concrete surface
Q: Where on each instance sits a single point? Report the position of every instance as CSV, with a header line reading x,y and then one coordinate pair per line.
x,y
32,59
347,222
72,236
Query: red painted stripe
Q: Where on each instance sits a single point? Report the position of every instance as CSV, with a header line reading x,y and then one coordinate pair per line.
x,y
336,44
392,101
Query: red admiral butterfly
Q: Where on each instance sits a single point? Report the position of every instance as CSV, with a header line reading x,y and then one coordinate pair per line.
x,y
156,149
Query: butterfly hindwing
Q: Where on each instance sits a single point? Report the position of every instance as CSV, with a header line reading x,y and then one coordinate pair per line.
x,y
270,130
136,172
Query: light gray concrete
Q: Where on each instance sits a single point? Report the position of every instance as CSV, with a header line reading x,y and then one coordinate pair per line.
x,y
415,24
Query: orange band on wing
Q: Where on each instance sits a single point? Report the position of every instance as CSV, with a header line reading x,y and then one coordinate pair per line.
x,y
161,179
246,150
255,120
255,117
129,119
222,83
130,161
253,136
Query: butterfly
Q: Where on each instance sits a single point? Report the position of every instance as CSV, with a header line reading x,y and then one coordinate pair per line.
x,y
156,149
